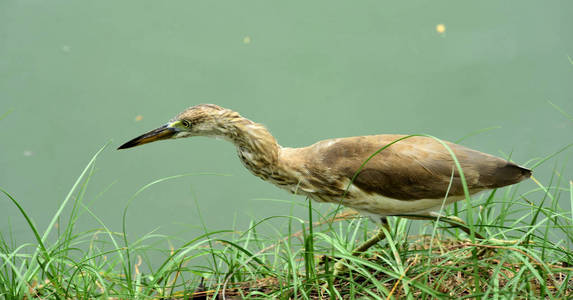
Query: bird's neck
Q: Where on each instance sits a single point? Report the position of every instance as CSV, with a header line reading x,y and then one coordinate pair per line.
x,y
256,147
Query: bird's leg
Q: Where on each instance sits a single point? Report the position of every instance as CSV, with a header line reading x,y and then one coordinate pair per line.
x,y
380,235
340,266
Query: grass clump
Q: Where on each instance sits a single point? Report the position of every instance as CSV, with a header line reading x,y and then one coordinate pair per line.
x,y
262,261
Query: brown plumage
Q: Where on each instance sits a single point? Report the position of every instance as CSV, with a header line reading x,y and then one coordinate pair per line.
x,y
410,177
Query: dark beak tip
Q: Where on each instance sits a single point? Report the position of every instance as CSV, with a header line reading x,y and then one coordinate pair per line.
x,y
129,144
160,133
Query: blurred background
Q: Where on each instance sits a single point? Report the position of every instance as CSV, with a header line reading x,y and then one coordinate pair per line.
x,y
75,75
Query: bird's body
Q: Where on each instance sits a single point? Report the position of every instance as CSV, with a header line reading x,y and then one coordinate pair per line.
x,y
412,176
377,175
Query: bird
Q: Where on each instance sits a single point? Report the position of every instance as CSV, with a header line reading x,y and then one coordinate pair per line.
x,y
377,175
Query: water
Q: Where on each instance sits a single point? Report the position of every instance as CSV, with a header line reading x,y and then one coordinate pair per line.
x,y
77,74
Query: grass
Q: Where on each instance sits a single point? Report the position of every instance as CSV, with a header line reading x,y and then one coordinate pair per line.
x,y
261,261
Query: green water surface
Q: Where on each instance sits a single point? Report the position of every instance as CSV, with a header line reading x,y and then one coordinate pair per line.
x,y
75,75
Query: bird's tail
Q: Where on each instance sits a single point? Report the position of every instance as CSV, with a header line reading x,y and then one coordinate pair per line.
x,y
511,174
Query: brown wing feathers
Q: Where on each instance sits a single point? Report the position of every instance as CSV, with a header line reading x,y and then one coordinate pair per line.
x,y
415,168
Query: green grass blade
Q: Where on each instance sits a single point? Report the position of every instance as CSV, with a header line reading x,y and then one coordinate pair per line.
x,y
70,193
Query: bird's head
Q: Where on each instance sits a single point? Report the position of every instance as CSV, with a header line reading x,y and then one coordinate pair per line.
x,y
199,120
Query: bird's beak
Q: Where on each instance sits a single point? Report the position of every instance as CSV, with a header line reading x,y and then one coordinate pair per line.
x,y
161,133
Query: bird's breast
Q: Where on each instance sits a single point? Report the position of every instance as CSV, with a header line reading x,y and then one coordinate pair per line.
x,y
263,168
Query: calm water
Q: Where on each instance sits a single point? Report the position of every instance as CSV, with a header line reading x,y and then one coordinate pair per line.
x,y
77,74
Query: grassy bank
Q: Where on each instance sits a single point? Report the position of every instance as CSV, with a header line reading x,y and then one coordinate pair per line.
x,y
433,261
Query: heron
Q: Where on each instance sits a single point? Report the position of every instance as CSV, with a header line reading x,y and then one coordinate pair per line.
x,y
377,175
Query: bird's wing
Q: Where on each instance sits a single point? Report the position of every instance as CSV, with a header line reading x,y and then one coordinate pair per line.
x,y
413,168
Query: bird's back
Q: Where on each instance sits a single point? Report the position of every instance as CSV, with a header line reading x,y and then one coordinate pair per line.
x,y
411,169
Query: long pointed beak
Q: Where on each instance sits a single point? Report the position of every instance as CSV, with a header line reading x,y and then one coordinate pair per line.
x,y
161,133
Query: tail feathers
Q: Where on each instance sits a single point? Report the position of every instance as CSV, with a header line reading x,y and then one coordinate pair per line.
x,y
509,174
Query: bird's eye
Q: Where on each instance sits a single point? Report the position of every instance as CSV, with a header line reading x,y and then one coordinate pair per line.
x,y
185,123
